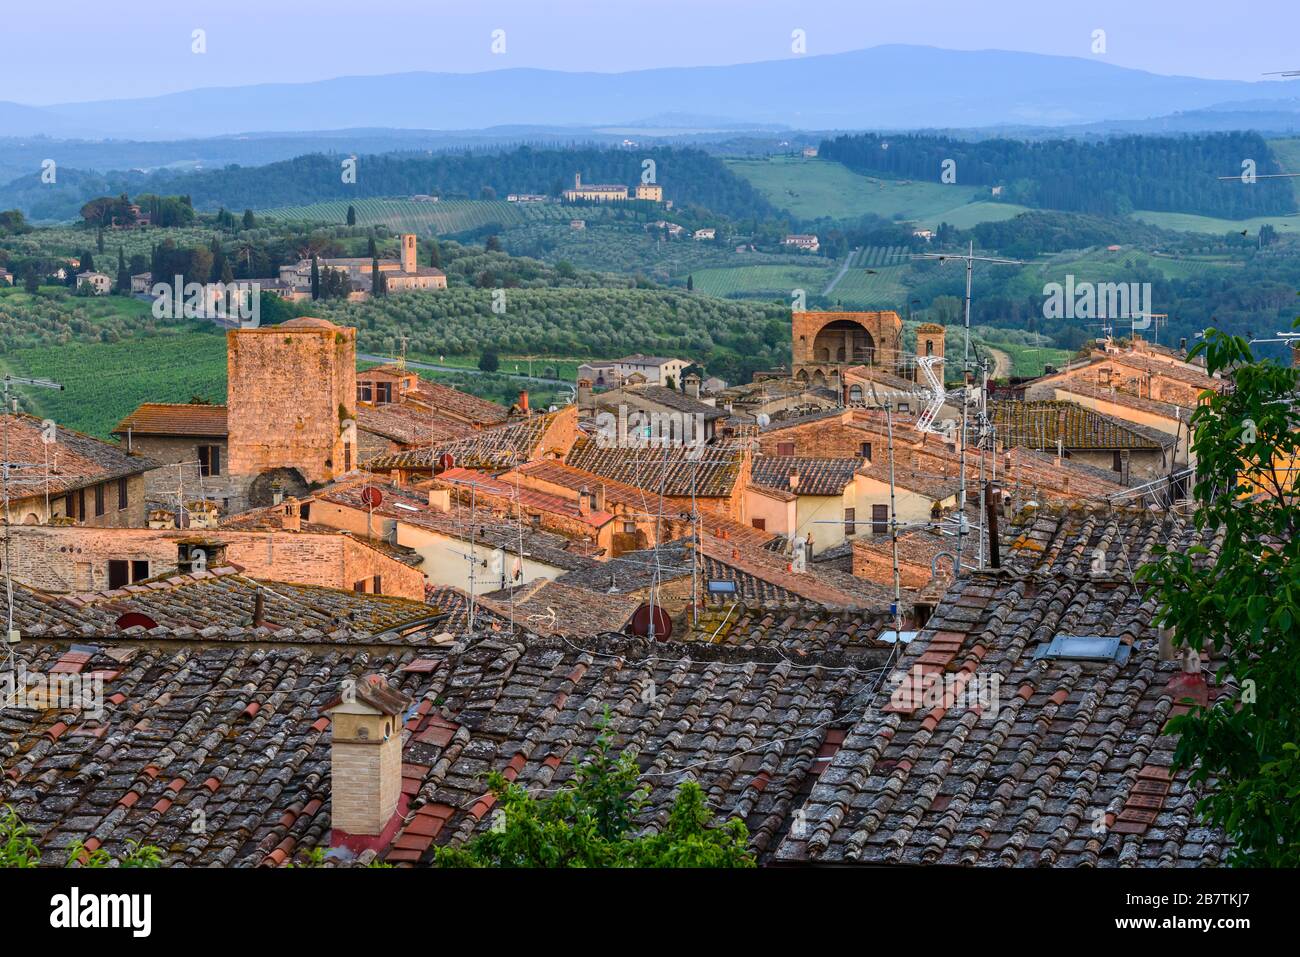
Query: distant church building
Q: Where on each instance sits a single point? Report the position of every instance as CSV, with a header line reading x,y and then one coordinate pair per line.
x,y
400,275
595,193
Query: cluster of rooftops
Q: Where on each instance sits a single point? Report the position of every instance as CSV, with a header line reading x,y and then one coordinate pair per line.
x,y
991,715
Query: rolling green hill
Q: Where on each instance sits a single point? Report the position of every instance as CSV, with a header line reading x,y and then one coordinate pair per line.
x,y
407,215
1191,223
815,188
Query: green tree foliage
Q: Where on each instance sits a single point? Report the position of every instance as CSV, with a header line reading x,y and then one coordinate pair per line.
x,y
489,361
250,221
1115,176
690,177
1243,604
352,215
592,823
13,223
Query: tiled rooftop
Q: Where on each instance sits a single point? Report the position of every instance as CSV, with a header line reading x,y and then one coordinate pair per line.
x,y
1066,764
219,605
175,419
74,460
1040,424
462,520
709,471
409,424
817,476
496,448
235,737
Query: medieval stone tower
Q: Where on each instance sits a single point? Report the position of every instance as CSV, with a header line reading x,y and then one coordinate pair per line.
x,y
292,405
827,343
929,339
409,263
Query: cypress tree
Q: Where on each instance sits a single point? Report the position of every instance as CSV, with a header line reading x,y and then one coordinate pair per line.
x,y
315,278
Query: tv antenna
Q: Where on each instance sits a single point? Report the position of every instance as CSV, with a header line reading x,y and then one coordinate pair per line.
x,y
6,386
970,259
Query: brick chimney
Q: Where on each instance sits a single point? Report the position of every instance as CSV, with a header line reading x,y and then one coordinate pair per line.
x,y
291,515
584,393
365,757
440,498
523,401
691,382
584,502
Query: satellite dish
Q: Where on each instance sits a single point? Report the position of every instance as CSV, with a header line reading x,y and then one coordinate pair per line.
x,y
446,461
133,619
763,419
646,613
372,496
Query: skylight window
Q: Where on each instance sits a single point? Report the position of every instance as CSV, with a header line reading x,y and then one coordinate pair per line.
x,y
1083,648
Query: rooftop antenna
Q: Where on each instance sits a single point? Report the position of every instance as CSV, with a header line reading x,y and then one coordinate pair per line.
x,y
401,359
970,259
6,385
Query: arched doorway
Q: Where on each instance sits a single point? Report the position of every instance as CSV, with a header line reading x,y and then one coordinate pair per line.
x,y
261,491
844,341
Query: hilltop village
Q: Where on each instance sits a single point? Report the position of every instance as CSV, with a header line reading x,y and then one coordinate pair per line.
x,y
733,570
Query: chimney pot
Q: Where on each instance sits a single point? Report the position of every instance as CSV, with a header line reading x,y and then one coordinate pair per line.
x,y
365,757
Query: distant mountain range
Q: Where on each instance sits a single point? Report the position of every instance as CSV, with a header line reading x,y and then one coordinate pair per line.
x,y
886,87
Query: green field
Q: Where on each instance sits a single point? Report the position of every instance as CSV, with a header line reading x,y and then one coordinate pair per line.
x,y
879,287
103,382
763,281
1192,223
407,215
814,188
1102,265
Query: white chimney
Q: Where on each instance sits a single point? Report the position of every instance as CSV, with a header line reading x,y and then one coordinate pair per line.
x,y
365,756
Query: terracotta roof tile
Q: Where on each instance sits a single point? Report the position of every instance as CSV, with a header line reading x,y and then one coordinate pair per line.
x,y
175,419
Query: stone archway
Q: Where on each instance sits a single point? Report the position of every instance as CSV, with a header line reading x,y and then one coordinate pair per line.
x,y
844,341
261,491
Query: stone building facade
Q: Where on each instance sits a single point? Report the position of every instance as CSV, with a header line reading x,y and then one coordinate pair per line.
x,y
827,343
67,558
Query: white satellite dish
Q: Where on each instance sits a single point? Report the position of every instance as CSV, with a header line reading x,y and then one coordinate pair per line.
x,y
763,419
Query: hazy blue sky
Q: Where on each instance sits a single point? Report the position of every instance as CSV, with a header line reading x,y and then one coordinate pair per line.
x,y
84,51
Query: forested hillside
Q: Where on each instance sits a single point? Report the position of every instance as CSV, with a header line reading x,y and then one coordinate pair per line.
x,y
690,177
1112,177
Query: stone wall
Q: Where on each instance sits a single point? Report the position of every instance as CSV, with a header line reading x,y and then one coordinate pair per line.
x,y
76,558
179,457
290,389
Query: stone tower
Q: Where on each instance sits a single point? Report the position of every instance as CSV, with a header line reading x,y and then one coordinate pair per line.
x,y
929,339
291,399
409,263
825,344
